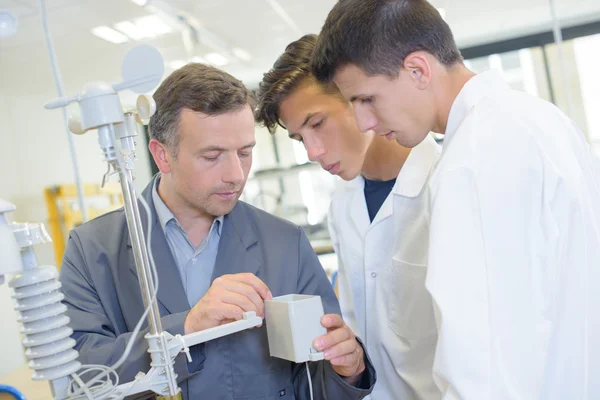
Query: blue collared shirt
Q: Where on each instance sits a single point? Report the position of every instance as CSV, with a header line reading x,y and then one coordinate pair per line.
x,y
195,264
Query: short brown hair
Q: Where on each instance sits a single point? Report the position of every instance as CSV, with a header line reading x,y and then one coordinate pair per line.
x,y
378,35
288,72
197,87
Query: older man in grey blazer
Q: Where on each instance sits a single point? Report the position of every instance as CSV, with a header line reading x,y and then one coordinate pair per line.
x,y
216,257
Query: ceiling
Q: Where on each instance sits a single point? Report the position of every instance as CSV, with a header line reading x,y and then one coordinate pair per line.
x,y
260,27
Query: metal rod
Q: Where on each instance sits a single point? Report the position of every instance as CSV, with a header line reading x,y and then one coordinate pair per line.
x,y
61,93
142,261
140,252
557,32
548,75
107,140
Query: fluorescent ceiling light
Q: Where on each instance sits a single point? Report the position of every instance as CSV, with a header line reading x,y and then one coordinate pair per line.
x,y
8,24
197,59
216,59
176,64
109,34
147,27
241,54
153,24
130,29
140,3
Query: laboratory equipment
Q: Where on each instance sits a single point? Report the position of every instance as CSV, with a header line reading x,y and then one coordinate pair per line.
x,y
37,291
293,322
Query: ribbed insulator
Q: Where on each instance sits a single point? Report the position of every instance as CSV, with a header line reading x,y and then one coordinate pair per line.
x,y
45,324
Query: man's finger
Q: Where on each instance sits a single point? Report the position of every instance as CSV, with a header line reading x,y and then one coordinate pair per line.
x,y
238,300
347,347
332,321
253,281
332,338
345,360
230,312
247,291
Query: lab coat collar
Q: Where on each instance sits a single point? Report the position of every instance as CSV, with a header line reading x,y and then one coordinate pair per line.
x,y
357,183
413,174
353,190
476,89
409,183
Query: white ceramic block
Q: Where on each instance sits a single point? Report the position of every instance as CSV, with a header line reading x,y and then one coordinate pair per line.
x,y
293,323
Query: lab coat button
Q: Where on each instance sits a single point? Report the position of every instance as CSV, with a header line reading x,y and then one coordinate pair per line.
x,y
373,274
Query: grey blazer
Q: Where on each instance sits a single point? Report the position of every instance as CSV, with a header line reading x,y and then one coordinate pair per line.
x,y
104,304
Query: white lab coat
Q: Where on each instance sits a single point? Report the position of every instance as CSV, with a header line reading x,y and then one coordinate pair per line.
x,y
382,269
514,256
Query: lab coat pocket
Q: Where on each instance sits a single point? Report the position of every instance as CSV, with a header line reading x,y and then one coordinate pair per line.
x,y
409,305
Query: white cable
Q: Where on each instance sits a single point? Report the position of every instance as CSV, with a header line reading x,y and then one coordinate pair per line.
x,y
82,385
309,381
98,390
61,93
103,393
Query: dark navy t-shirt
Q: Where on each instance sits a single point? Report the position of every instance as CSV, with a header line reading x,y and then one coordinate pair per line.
x,y
375,194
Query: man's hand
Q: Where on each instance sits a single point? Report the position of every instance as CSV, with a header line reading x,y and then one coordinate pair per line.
x,y
341,348
227,299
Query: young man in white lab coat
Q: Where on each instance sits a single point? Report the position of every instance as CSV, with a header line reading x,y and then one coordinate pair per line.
x,y
514,256
376,220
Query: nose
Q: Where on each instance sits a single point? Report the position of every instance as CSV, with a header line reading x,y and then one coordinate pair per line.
x,y
365,118
233,171
314,148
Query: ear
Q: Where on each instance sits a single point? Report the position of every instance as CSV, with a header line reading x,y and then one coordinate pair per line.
x,y
419,68
162,156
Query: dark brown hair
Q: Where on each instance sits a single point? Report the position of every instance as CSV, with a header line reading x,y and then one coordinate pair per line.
x,y
197,87
378,35
288,72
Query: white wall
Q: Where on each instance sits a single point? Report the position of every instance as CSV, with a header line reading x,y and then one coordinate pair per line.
x,y
10,347
12,352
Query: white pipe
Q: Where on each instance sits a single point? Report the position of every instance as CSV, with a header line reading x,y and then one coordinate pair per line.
x,y
285,16
61,93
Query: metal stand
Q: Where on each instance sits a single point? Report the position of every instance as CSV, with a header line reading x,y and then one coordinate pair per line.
x,y
101,109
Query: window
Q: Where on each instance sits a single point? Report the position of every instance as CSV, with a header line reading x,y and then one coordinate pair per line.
x,y
573,86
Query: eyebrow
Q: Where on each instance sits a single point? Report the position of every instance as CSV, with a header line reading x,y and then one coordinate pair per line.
x,y
308,117
249,146
222,149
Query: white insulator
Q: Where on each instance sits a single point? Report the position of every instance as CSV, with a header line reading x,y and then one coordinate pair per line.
x,y
104,138
50,349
